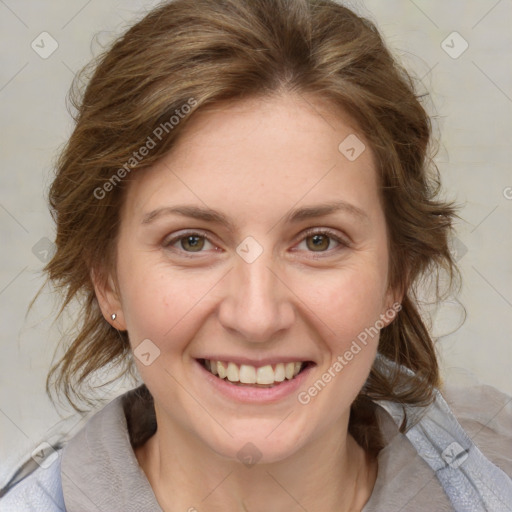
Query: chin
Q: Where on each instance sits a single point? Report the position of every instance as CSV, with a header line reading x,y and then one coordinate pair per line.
x,y
263,445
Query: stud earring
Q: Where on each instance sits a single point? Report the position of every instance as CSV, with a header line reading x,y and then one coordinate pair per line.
x,y
113,316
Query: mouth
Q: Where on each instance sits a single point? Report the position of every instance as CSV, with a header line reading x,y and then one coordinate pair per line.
x,y
246,375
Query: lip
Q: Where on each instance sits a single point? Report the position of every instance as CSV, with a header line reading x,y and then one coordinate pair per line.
x,y
249,394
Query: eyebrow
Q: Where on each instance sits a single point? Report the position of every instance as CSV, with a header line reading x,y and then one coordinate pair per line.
x,y
292,217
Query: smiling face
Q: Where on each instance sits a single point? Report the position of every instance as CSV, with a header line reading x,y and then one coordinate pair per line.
x,y
221,256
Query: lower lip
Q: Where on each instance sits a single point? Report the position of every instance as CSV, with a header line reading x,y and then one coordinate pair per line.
x,y
249,394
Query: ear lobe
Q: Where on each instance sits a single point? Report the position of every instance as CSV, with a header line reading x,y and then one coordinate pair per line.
x,y
108,299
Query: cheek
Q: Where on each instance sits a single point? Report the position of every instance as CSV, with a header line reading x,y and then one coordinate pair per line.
x,y
347,304
159,304
346,301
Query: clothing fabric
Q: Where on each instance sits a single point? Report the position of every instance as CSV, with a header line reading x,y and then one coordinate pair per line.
x,y
441,464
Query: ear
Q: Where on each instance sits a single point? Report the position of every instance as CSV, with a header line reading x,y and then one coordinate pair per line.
x,y
108,299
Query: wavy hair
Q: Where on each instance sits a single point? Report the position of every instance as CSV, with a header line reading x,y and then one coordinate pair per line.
x,y
228,50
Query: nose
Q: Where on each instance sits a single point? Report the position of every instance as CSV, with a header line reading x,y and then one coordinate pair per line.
x,y
257,306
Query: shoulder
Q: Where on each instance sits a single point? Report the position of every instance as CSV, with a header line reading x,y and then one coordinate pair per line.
x,y
73,469
40,490
485,413
38,482
464,438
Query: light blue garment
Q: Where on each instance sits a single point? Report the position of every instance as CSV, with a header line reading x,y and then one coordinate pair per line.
x,y
471,481
41,491
102,450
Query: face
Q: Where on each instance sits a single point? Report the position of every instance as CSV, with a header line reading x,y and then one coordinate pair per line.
x,y
228,252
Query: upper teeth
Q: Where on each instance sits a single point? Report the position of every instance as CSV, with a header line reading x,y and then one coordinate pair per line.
x,y
248,374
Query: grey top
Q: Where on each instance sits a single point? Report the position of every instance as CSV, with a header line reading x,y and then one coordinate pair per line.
x,y
99,470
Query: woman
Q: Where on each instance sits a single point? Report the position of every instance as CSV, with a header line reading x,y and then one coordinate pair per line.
x,y
245,209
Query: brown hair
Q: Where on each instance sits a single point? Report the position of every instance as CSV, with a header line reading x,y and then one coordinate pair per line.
x,y
217,50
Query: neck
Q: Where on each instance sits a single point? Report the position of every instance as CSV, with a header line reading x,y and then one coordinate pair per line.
x,y
332,474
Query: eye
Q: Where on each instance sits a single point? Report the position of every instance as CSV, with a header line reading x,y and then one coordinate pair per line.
x,y
318,240
190,242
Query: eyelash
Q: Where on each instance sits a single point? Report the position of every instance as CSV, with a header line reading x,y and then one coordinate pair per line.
x,y
308,233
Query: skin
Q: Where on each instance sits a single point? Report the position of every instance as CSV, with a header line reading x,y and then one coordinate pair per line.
x,y
254,161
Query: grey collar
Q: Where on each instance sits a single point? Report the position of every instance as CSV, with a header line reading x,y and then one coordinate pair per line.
x,y
99,469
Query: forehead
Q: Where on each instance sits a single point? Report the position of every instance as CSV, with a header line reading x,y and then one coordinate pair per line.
x,y
259,154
